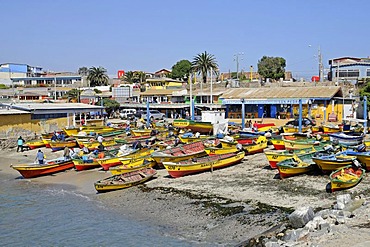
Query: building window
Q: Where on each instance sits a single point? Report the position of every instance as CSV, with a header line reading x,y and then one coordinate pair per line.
x,y
368,72
349,73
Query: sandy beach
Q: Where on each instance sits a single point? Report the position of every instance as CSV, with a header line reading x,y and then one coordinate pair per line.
x,y
226,207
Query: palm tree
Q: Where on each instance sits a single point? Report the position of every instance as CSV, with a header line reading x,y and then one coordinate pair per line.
x,y
203,63
84,71
97,76
129,77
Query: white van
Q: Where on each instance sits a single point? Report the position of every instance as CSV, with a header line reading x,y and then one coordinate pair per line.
x,y
127,113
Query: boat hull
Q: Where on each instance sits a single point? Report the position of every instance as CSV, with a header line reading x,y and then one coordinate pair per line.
x,y
195,126
345,178
125,180
50,167
278,144
327,166
176,170
81,164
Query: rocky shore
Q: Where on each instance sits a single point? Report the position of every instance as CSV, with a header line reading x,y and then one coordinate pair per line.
x,y
243,205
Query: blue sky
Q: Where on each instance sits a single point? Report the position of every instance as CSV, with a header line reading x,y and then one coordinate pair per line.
x,y
64,35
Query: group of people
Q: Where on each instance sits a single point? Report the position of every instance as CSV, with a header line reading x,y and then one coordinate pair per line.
x,y
58,137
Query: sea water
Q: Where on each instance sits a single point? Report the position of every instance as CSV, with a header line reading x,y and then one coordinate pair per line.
x,y
34,214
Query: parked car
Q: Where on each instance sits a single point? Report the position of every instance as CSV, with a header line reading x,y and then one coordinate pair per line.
x,y
153,114
127,113
305,122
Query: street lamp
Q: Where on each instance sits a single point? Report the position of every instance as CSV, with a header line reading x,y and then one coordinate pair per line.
x,y
236,58
243,113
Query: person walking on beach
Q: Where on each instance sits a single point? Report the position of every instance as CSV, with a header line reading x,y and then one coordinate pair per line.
x,y
40,157
20,142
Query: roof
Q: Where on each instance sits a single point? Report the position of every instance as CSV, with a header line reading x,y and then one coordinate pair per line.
x,y
153,91
45,108
11,111
283,93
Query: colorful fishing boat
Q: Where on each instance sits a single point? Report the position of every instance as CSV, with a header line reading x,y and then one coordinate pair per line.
x,y
46,142
134,165
124,180
88,129
35,144
278,144
60,145
208,163
262,127
85,163
299,144
95,144
195,126
217,151
275,157
111,160
296,165
294,129
179,153
362,157
330,128
329,163
345,139
346,177
256,147
193,138
140,132
49,167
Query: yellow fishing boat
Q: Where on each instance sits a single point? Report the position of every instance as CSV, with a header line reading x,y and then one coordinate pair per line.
x,y
114,160
278,144
294,129
190,139
301,144
132,164
88,129
94,145
179,153
331,163
331,128
141,132
257,147
195,126
124,180
216,151
296,165
346,177
209,163
275,157
60,145
35,144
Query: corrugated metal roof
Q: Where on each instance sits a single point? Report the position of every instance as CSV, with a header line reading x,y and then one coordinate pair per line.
x,y
11,111
153,91
283,93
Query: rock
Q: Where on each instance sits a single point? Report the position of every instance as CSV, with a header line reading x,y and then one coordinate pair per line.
x,y
295,235
341,220
342,200
301,216
311,226
323,213
325,226
353,205
272,244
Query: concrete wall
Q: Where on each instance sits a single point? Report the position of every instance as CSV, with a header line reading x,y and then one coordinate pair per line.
x,y
16,125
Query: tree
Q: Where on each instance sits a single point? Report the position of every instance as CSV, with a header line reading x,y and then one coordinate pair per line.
x,y
97,76
181,70
272,67
109,105
129,77
139,76
83,71
203,63
74,95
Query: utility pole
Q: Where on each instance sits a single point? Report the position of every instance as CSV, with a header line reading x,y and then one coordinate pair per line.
x,y
321,67
237,63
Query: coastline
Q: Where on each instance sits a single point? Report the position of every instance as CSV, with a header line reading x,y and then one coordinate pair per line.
x,y
225,207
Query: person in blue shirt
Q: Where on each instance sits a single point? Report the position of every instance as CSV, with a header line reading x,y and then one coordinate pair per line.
x,y
40,157
20,142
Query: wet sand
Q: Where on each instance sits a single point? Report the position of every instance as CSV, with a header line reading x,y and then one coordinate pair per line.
x,y
223,208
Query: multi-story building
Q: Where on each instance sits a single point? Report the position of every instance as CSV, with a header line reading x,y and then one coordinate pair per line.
x,y
350,69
